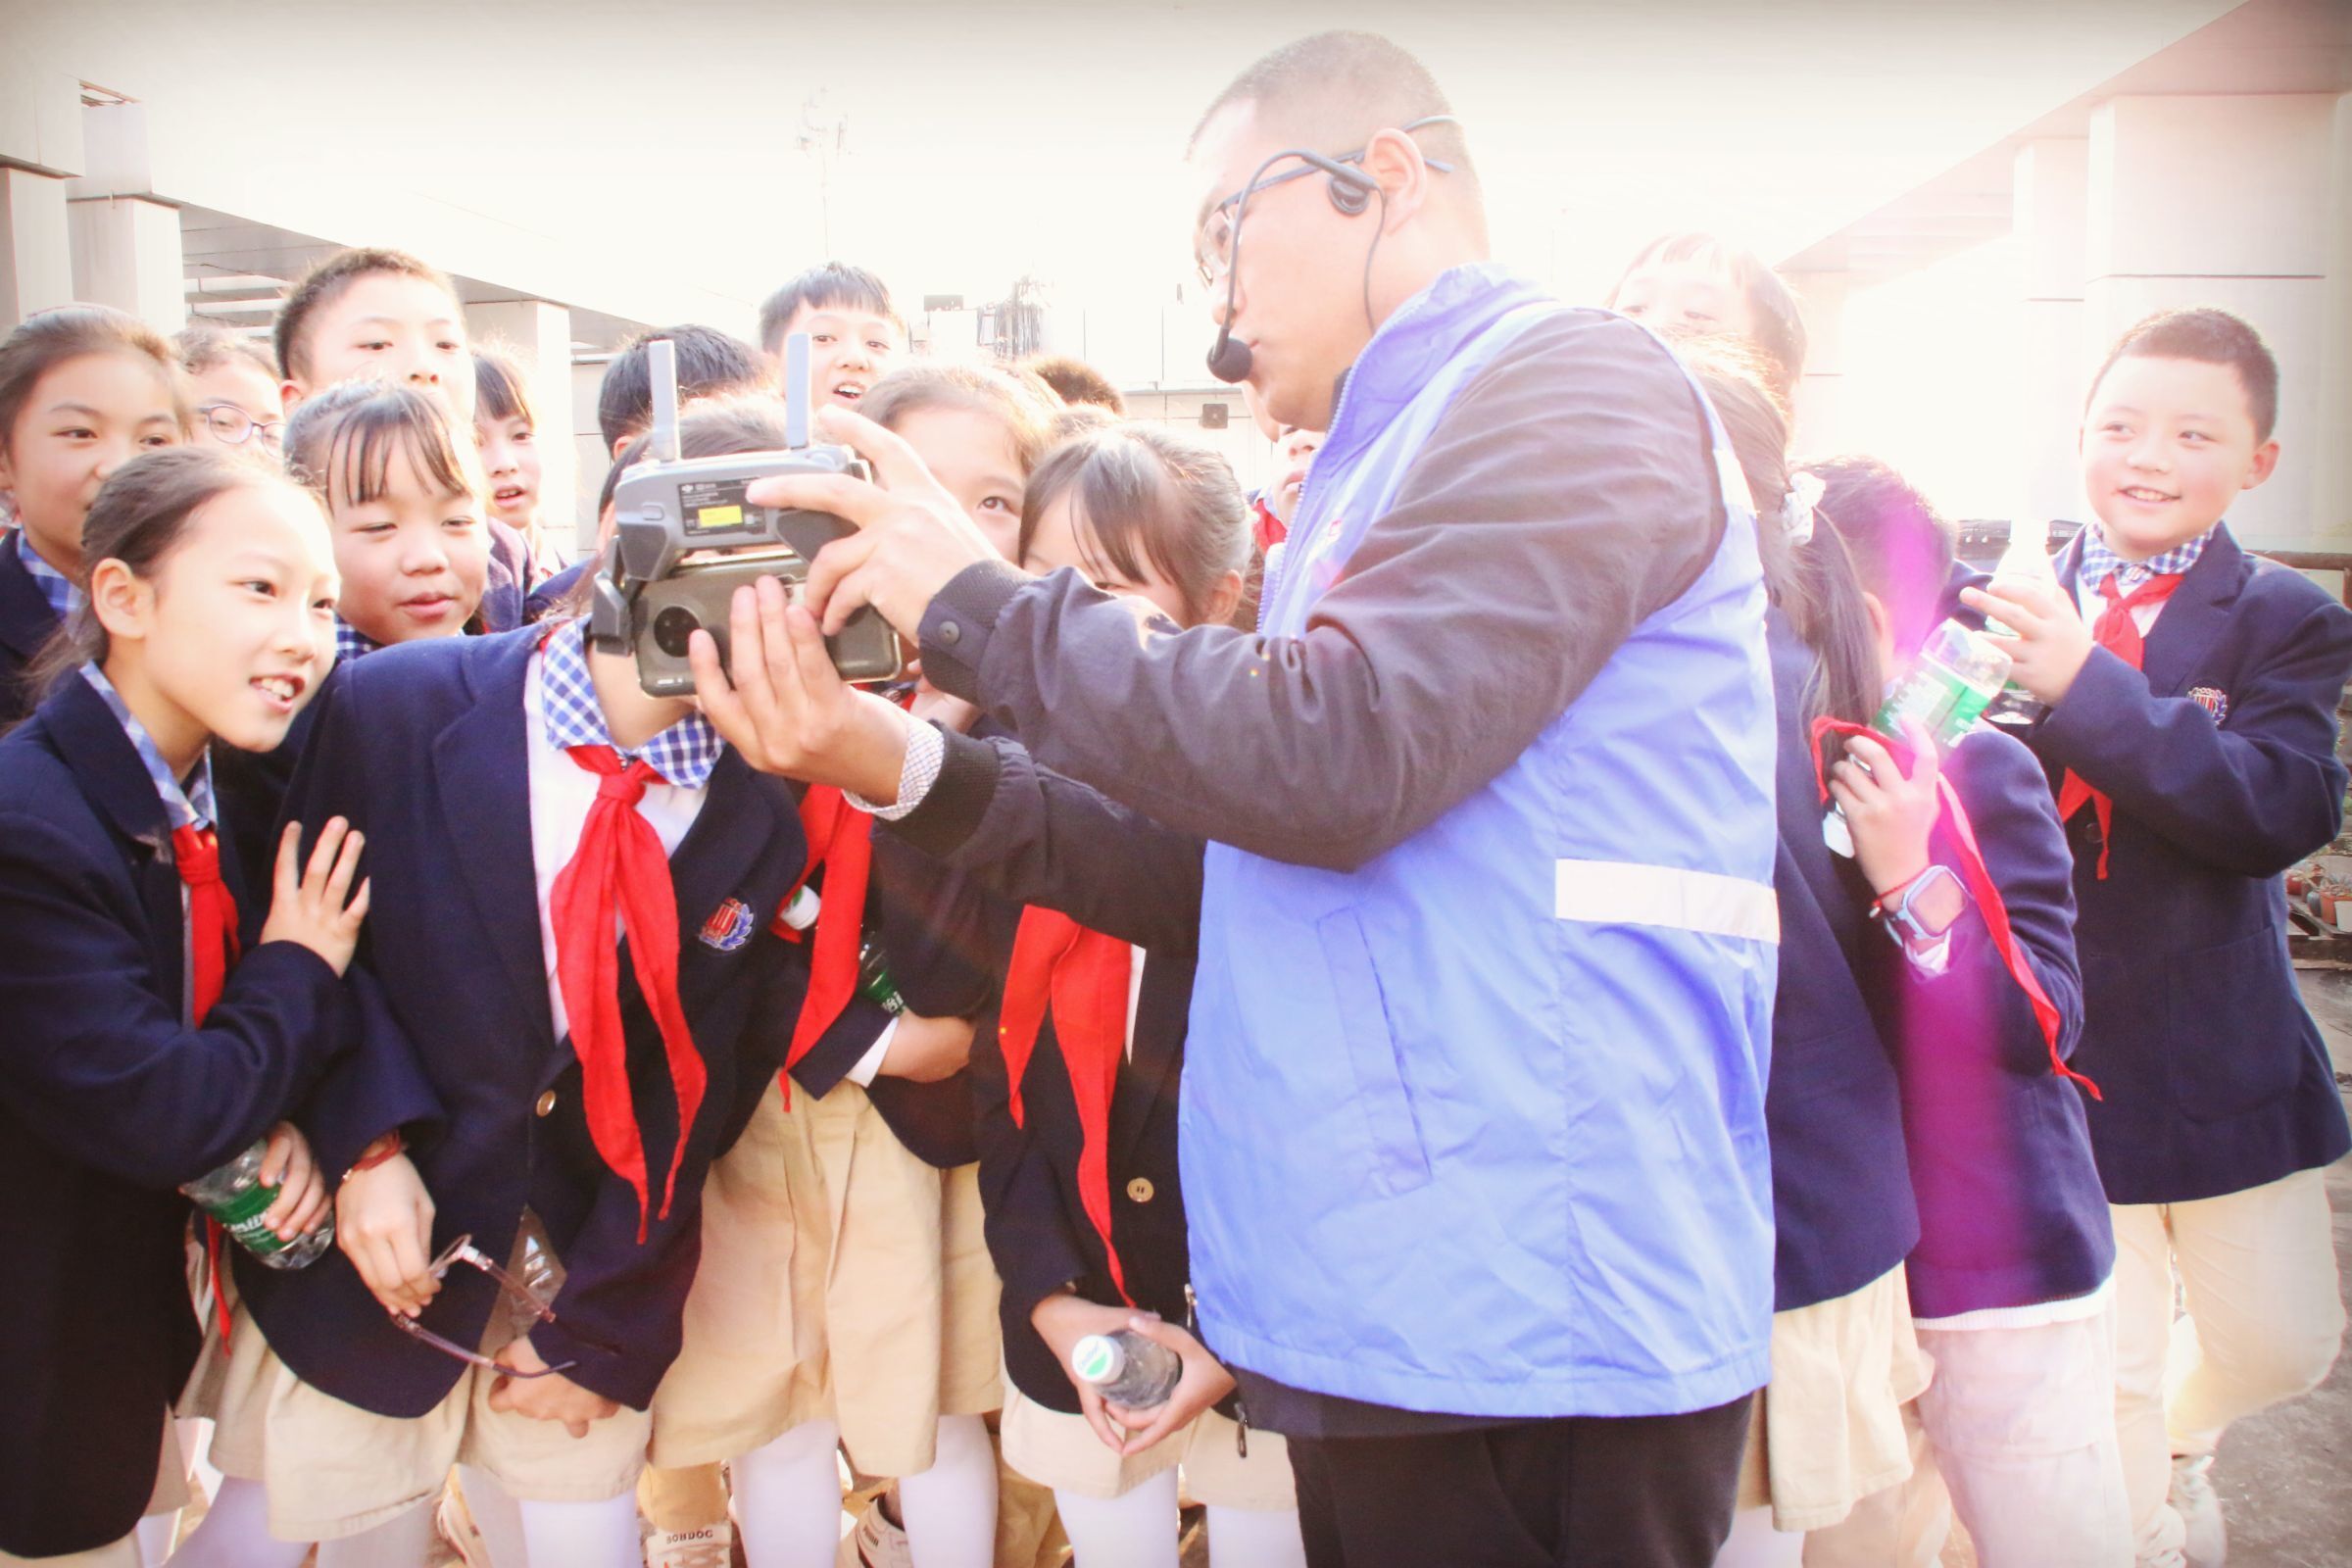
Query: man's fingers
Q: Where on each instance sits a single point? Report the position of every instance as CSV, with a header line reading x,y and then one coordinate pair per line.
x,y
849,595
808,653
832,563
839,495
720,703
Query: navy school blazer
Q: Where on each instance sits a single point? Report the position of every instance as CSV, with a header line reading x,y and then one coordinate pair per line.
x,y
2221,762
2010,1205
25,623
1033,836
423,747
1841,1200
108,1103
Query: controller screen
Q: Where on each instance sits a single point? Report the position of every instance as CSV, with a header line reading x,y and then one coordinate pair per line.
x,y
714,505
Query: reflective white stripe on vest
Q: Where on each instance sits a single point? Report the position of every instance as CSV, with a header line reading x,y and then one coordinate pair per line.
x,y
1624,893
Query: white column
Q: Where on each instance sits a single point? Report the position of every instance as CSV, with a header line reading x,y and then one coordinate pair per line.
x,y
127,253
539,335
2053,178
36,256
2332,473
2224,201
1819,427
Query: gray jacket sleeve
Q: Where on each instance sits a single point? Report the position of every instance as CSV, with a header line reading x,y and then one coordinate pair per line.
x,y
1567,494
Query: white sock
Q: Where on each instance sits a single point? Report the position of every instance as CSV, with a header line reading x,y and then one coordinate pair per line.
x,y
235,1533
497,1516
400,1542
788,1499
196,1445
1756,1543
1137,1527
951,1509
156,1533
582,1535
1254,1538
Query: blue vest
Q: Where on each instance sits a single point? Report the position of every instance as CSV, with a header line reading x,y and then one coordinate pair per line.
x,y
1479,1127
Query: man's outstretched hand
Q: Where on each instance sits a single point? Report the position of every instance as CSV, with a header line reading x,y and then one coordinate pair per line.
x,y
911,535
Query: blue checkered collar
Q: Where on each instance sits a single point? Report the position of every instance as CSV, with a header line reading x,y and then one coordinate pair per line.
x,y
56,587
351,643
2100,562
684,754
190,807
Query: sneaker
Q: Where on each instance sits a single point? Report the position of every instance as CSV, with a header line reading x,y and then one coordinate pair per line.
x,y
2193,1499
711,1547
876,1543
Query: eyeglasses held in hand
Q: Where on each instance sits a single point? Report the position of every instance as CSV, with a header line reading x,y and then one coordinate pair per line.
x,y
463,1250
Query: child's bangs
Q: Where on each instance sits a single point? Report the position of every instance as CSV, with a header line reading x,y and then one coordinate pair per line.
x,y
1121,510
361,452
498,390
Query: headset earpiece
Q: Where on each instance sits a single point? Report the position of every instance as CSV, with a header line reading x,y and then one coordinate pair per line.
x,y
1351,189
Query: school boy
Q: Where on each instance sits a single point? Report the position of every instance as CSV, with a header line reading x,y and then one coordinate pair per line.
x,y
2191,742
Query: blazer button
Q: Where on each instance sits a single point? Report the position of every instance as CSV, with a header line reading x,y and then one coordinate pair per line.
x,y
1140,1190
950,633
546,1103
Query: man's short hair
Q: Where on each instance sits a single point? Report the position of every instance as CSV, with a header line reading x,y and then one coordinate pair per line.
x,y
1075,382
1331,91
326,282
2209,338
710,363
835,284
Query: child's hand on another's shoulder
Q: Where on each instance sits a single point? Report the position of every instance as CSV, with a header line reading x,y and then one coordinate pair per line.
x,y
314,905
2051,645
1890,814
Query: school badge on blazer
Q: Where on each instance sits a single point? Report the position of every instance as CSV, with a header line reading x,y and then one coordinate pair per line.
x,y
2213,700
729,926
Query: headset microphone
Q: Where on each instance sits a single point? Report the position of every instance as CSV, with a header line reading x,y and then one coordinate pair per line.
x,y
1229,361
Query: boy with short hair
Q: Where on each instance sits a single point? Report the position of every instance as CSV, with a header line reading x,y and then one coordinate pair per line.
x,y
380,314
710,365
2192,739
855,333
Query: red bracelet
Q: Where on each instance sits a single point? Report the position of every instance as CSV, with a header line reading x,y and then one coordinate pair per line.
x,y
376,1153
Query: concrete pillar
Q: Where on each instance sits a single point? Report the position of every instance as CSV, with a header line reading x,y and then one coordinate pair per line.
x,y
36,256
1819,426
127,253
2224,201
539,335
2051,180
2332,472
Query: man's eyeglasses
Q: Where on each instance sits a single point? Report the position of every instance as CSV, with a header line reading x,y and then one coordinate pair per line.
x,y
520,1298
1212,249
234,426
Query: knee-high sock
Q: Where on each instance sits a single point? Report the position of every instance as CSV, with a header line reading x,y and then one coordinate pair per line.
x,y
788,1499
583,1534
497,1516
951,1509
235,1533
1255,1538
400,1542
1137,1527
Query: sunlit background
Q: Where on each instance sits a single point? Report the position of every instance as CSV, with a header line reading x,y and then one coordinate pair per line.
x,y
646,164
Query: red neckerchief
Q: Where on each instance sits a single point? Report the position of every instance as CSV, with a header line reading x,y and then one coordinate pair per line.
x,y
1269,527
2119,634
1980,883
620,868
212,946
840,839
1082,976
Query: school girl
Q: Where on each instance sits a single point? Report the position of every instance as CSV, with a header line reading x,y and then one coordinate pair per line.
x,y
142,1051
862,1195
83,389
1979,991
505,430
569,1000
1696,284
1829,1429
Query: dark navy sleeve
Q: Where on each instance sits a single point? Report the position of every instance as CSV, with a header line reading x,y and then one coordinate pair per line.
x,y
1026,1222
102,1069
1566,495
2252,793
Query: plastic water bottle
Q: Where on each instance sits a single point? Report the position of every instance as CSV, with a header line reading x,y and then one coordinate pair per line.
x,y
2024,558
874,983
1127,1369
234,1196
1956,676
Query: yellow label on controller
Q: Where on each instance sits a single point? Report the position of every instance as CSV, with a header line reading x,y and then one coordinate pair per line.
x,y
719,517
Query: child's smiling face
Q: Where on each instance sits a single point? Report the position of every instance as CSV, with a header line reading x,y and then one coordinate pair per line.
x,y
2168,445
850,348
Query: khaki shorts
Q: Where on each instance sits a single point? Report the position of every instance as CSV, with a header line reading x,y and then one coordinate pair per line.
x,y
1829,1427
332,1469
1057,1449
171,1495
841,1277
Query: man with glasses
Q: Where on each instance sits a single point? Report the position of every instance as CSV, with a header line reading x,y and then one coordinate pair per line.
x,y
1472,1113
